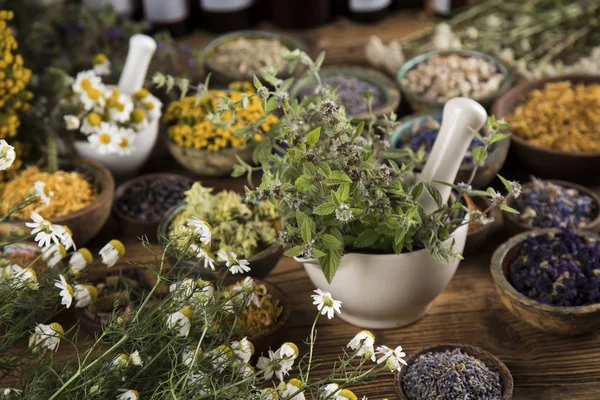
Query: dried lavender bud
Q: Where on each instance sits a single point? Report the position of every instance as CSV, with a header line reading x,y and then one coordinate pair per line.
x,y
425,134
442,77
451,375
148,200
546,205
562,270
349,91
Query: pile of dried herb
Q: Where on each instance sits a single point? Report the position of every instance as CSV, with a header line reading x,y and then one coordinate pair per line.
x,y
451,375
543,204
561,270
262,312
561,116
350,93
247,56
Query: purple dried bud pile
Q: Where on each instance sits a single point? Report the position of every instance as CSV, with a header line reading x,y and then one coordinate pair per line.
x,y
149,200
562,270
546,205
451,375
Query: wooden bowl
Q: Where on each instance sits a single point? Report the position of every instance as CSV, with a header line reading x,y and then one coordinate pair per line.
x,y
515,226
485,174
417,101
223,77
490,360
137,227
210,163
546,317
543,162
87,222
387,86
261,264
480,234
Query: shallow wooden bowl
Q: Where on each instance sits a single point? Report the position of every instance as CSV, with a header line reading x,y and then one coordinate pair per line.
x,y
490,360
515,226
546,317
137,227
261,264
543,162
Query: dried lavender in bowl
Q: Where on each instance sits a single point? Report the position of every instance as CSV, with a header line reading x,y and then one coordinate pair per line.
x,y
561,270
451,375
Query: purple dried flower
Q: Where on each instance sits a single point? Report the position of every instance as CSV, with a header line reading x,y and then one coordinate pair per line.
x,y
451,375
562,270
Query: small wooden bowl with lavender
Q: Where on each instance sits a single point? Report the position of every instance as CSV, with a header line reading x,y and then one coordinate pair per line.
x,y
453,371
350,83
553,204
429,80
550,278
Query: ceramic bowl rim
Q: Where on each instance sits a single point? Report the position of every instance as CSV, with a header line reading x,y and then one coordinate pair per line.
x,y
120,191
524,89
291,43
167,220
107,188
569,185
374,77
171,142
414,61
492,361
499,258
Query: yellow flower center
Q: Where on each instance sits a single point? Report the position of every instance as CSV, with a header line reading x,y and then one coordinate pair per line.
x,y
226,350
93,93
294,347
92,291
62,250
124,143
87,255
368,333
120,107
347,394
70,289
297,383
31,271
99,59
148,105
140,94
85,84
104,138
137,115
187,312
119,246
56,327
94,119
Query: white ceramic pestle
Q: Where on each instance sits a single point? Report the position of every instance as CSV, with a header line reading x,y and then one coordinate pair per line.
x,y
459,117
141,50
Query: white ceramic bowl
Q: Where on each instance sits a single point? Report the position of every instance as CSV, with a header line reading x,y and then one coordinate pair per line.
x,y
385,291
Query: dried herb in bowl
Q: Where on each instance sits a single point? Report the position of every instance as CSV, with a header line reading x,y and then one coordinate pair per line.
x,y
249,56
451,375
544,204
350,93
561,270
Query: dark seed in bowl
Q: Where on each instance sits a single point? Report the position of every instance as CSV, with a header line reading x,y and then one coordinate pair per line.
x,y
149,200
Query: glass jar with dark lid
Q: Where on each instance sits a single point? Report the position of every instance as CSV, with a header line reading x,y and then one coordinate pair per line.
x,y
300,14
227,15
368,10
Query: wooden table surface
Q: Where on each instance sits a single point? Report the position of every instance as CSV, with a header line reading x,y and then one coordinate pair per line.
x,y
469,311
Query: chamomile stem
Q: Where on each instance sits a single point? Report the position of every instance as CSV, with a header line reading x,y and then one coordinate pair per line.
x,y
312,338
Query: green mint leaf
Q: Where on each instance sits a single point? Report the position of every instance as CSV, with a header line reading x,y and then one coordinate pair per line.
x,y
330,242
509,209
257,83
366,238
313,137
326,208
479,155
303,183
295,251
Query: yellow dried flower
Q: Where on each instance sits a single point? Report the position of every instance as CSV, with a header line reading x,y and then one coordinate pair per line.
x,y
189,126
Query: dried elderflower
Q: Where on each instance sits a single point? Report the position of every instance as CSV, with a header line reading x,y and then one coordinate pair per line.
x,y
249,56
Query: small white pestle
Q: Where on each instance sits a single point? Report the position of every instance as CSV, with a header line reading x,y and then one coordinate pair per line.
x,y
460,116
141,50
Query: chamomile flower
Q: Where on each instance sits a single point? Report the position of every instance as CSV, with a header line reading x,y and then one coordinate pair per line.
x,y
234,265
105,140
345,394
247,286
7,155
124,141
9,391
65,236
79,260
119,106
138,119
278,363
101,64
91,123
42,191
203,256
152,106
128,394
190,356
136,359
85,80
393,359
46,337
181,321
111,252
183,289
243,350
202,229
363,343
66,291
43,230
287,353
71,122
330,389
19,277
326,304
92,98
53,254
121,361
221,357
85,295
291,390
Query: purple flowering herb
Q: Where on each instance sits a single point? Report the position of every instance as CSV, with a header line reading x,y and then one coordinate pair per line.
x,y
425,134
451,375
561,270
349,91
544,204
114,32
